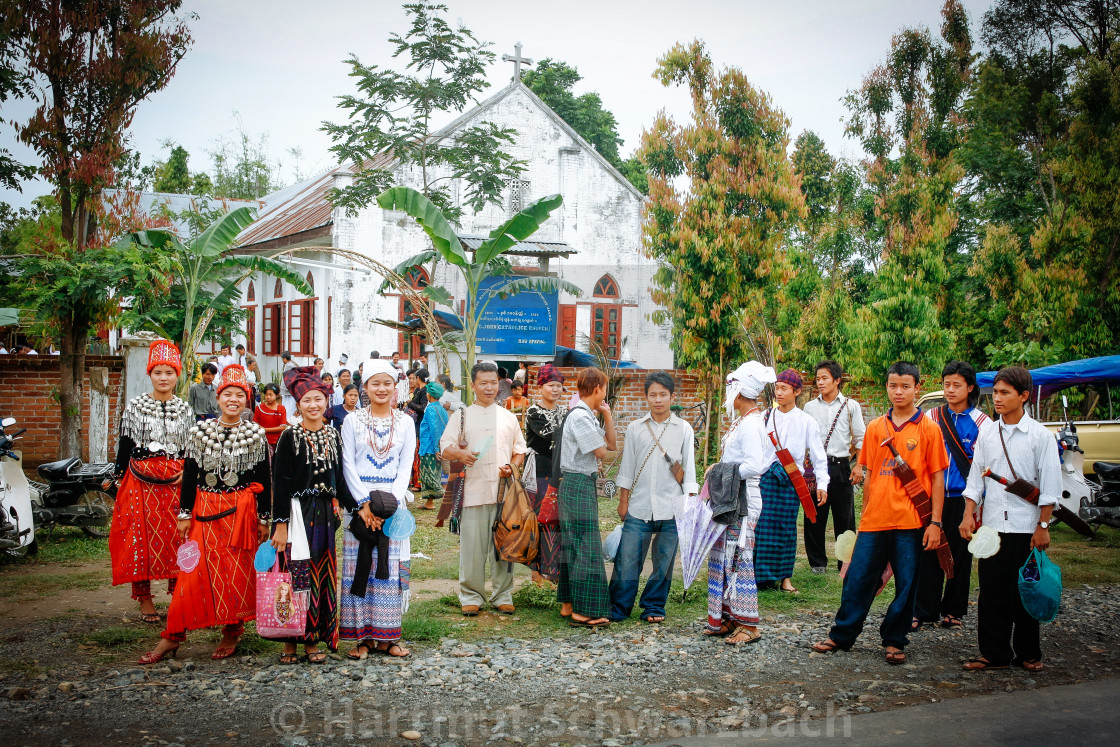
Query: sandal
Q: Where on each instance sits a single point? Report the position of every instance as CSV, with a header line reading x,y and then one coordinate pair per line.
x,y
598,622
791,590
894,658
388,651
737,640
827,646
980,664
726,628
915,624
223,653
150,618
361,651
287,659
316,657
654,619
949,621
1031,665
152,657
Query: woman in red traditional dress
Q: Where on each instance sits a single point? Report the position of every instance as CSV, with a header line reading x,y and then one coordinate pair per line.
x,y
224,507
153,436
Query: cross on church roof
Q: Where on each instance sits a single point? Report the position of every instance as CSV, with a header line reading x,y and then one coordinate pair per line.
x,y
517,60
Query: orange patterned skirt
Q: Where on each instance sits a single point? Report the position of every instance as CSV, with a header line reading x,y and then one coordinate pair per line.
x,y
221,590
142,537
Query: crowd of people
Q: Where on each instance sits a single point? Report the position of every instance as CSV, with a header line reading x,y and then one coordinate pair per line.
x,y
352,449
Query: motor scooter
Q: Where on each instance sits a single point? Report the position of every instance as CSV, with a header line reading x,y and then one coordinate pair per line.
x,y
1079,495
17,521
77,494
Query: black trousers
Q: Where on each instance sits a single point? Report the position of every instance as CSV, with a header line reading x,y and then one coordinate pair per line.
x,y
1007,632
937,595
841,496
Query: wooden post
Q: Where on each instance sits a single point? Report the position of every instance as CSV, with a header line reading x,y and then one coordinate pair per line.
x,y
98,414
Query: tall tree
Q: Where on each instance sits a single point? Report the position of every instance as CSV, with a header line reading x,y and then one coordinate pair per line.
x,y
174,175
717,241
91,64
554,82
389,122
910,105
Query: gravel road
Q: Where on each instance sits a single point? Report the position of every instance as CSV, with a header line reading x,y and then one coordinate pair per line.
x,y
614,687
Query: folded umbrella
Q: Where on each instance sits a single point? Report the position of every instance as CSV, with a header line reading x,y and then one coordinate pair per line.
x,y
696,533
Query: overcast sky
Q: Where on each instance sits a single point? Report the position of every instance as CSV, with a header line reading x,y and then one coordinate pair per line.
x,y
277,64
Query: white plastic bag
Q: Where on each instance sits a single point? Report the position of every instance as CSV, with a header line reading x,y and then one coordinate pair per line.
x,y
611,543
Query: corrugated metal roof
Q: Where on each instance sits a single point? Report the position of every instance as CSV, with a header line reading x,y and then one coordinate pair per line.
x,y
173,202
298,208
525,248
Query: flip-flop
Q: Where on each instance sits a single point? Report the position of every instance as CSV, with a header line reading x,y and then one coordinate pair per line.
x,y
389,651
653,619
894,658
1031,665
949,621
725,628
317,658
150,618
223,653
287,659
915,624
361,651
588,623
825,647
981,664
751,638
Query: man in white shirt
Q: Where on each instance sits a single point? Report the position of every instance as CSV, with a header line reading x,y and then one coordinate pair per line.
x,y
647,490
225,358
840,420
494,441
1017,448
239,354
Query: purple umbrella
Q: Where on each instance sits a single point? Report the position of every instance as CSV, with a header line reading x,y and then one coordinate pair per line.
x,y
696,533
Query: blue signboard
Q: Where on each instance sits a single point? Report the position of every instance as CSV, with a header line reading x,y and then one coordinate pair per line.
x,y
521,324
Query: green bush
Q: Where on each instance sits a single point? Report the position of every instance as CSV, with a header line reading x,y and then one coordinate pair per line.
x,y
539,596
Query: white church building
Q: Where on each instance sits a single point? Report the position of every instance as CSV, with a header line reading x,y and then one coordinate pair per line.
x,y
593,241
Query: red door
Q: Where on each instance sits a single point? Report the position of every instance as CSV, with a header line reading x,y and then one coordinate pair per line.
x,y
566,328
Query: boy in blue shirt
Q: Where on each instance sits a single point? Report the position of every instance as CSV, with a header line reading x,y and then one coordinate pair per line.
x,y
940,599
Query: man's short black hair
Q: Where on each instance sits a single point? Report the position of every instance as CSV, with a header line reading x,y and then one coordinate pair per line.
x,y
483,367
239,347
286,355
906,368
1017,377
835,370
968,373
209,368
502,373
516,384
662,378
374,354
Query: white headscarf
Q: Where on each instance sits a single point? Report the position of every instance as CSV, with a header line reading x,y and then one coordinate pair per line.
x,y
748,380
378,366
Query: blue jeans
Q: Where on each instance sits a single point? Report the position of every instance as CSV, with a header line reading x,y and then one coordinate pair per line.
x,y
902,548
636,538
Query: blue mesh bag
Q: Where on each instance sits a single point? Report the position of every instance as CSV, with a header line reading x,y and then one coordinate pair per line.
x,y
1040,586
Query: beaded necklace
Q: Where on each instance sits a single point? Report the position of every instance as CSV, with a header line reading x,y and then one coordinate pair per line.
x,y
322,450
370,421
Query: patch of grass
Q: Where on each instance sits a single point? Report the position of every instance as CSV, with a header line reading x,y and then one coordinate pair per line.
x,y
62,545
429,624
46,584
537,596
1085,561
20,668
449,600
117,636
423,570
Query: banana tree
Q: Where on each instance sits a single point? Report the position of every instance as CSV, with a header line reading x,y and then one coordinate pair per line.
x,y
487,261
206,263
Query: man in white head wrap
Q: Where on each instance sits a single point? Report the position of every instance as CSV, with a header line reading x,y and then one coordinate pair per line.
x,y
732,591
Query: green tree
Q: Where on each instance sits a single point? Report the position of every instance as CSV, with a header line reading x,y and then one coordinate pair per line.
x,y
487,261
13,82
389,122
205,282
89,65
553,81
718,243
242,166
173,175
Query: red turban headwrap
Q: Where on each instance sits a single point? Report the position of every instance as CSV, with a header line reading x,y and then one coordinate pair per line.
x,y
306,379
547,373
791,377
164,353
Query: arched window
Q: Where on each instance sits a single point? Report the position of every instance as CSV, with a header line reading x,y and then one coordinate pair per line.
x,y
251,294
278,290
310,280
606,318
606,287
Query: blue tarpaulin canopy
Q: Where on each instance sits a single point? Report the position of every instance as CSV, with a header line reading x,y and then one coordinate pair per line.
x,y
1103,370
569,357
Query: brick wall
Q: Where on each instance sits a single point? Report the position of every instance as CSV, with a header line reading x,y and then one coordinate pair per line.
x,y
29,393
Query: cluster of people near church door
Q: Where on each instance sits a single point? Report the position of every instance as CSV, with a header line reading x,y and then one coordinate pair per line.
x,y
226,485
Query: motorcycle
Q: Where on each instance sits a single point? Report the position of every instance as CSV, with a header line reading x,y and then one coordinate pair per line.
x,y
77,494
17,524
1077,504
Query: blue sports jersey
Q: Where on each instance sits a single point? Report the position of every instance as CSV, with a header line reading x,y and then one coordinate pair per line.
x,y
968,425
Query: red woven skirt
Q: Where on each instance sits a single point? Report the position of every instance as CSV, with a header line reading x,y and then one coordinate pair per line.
x,y
142,538
221,590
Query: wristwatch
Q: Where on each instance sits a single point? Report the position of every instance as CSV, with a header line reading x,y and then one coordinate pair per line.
x,y
1044,525
936,524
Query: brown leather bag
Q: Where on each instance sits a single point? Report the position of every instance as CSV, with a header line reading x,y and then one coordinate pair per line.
x,y
517,535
